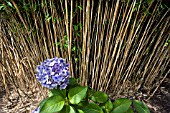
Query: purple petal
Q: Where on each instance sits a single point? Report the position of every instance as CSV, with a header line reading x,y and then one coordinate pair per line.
x,y
63,86
37,110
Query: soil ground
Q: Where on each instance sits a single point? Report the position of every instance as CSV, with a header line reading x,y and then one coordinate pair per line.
x,y
160,102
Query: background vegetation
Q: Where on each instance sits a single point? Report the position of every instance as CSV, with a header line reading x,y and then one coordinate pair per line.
x,y
119,47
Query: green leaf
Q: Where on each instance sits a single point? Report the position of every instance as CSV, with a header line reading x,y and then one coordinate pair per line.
x,y
58,92
121,105
72,110
53,104
50,94
78,34
57,43
2,7
149,2
74,48
80,50
166,44
66,45
92,108
80,111
136,6
72,81
80,25
90,93
49,18
140,107
9,4
65,37
80,7
75,27
99,97
67,109
76,94
76,59
42,103
103,107
130,110
109,105
26,7
83,102
35,7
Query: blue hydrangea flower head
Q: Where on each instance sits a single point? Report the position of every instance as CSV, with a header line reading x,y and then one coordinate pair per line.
x,y
53,73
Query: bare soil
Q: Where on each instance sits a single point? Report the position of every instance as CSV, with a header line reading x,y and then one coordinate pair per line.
x,y
160,102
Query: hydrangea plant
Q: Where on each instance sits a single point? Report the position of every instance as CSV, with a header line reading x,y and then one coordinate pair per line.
x,y
67,96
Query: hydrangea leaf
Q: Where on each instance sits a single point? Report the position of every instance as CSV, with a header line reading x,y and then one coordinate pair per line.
x,y
42,102
58,92
72,81
76,94
130,110
53,104
92,108
99,97
90,93
67,109
108,105
83,102
140,106
121,105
